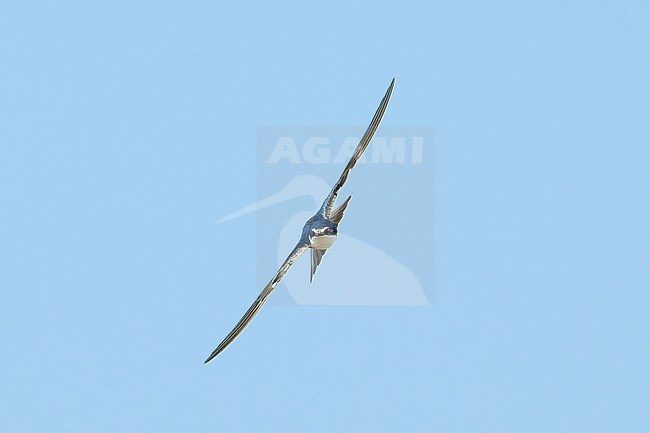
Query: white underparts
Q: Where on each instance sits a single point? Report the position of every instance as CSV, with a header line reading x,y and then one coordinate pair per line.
x,y
322,242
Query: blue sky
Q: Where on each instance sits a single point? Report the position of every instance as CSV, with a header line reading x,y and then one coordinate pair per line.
x,y
127,130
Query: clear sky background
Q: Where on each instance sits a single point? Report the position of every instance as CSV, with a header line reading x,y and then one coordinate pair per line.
x,y
127,130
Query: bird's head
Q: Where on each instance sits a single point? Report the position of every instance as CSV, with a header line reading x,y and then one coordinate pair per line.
x,y
329,229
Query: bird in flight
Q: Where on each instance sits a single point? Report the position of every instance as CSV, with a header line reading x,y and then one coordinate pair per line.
x,y
318,234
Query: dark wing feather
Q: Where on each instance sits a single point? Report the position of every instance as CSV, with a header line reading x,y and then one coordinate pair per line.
x,y
252,311
326,209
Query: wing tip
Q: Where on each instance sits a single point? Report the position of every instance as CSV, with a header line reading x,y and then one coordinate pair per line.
x,y
389,91
216,352
211,357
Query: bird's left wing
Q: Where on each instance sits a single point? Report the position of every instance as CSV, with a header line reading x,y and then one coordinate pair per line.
x,y
252,311
328,204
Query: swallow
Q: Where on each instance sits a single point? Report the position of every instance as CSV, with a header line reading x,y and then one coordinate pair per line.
x,y
318,234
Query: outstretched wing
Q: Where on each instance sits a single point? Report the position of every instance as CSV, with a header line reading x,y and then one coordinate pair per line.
x,y
328,204
252,311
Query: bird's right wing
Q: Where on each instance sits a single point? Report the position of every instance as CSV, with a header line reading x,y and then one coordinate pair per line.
x,y
252,311
326,209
